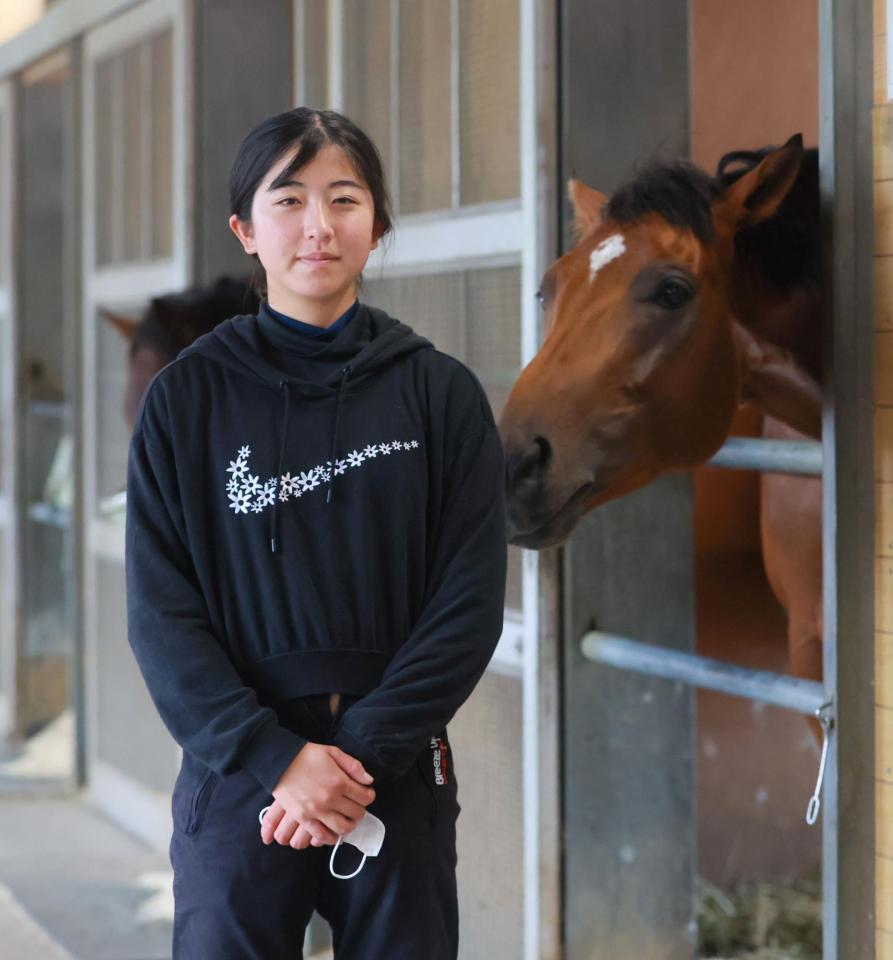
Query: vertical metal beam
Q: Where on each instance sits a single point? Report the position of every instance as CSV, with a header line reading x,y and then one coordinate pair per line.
x,y
540,581
845,98
628,774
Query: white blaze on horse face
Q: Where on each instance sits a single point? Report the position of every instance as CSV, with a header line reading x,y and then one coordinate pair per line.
x,y
609,249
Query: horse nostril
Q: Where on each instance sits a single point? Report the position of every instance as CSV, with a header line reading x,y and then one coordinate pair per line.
x,y
530,463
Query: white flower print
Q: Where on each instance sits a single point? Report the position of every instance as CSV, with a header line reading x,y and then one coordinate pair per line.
x,y
289,485
309,480
247,492
251,484
265,498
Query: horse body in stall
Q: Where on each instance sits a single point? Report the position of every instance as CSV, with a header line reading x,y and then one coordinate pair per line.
x,y
169,324
684,297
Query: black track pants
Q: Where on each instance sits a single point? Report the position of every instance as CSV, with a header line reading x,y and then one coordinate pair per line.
x,y
237,899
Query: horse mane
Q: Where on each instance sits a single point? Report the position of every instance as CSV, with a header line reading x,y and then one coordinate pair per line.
x,y
785,250
172,321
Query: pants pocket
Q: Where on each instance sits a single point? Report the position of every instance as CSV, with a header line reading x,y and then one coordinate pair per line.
x,y
200,799
191,798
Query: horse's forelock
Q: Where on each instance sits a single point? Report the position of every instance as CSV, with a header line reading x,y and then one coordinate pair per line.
x,y
677,191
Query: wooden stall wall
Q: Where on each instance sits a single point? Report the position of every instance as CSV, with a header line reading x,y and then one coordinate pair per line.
x,y
754,82
883,400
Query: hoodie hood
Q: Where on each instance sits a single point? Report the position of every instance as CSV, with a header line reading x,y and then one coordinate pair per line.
x,y
371,342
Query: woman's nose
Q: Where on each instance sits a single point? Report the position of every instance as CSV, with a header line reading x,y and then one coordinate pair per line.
x,y
316,221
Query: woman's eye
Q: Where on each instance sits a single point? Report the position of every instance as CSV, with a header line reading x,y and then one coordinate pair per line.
x,y
288,201
345,200
671,294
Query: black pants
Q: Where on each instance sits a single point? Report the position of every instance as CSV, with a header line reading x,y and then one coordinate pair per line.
x,y
237,899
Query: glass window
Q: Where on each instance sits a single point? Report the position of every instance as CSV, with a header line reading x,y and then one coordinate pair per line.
x,y
367,70
425,113
133,152
489,100
315,50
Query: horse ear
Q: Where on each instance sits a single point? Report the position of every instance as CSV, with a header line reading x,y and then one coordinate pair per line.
x,y
126,326
758,194
587,204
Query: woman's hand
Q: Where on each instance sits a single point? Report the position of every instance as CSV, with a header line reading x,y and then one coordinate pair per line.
x,y
321,796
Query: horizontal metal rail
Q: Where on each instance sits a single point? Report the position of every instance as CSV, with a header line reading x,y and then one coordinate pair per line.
x,y
800,457
791,693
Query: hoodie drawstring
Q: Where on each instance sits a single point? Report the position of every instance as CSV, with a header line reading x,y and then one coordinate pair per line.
x,y
274,532
286,398
345,373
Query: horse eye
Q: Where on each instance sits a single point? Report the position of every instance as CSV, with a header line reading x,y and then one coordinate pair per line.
x,y
540,299
672,294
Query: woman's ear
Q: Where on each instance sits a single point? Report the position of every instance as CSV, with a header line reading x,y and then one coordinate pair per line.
x,y
377,233
244,230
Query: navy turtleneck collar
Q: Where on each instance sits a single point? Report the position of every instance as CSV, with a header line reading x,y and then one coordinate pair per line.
x,y
320,334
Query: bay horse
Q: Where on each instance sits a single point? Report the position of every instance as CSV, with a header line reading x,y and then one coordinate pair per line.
x,y
685,296
170,323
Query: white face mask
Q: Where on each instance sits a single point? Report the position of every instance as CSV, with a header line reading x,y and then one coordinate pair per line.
x,y
367,836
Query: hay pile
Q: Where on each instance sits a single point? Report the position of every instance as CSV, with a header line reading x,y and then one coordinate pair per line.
x,y
761,921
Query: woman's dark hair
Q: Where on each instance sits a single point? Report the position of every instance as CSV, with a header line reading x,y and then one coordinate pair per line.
x,y
308,131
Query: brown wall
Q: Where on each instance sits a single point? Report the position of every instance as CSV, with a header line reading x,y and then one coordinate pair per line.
x,y
754,82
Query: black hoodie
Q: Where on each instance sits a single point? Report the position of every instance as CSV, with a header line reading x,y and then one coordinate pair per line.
x,y
302,524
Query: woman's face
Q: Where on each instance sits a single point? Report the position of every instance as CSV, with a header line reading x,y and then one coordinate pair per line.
x,y
312,234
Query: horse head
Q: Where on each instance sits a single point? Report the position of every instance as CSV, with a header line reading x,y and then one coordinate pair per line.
x,y
170,323
644,363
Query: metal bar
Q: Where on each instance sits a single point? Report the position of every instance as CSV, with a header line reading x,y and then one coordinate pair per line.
x,y
801,457
791,693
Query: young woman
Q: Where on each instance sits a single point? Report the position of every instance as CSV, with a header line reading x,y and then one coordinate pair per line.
x,y
315,575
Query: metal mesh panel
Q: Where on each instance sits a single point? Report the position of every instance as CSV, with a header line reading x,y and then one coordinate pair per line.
x,y
315,47
474,316
488,100
486,737
433,305
367,52
112,434
130,734
162,109
134,117
425,154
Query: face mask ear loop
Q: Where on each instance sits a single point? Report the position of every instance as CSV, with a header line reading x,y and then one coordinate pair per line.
x,y
343,876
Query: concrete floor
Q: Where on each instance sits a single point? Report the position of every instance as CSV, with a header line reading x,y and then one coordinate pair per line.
x,y
74,887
